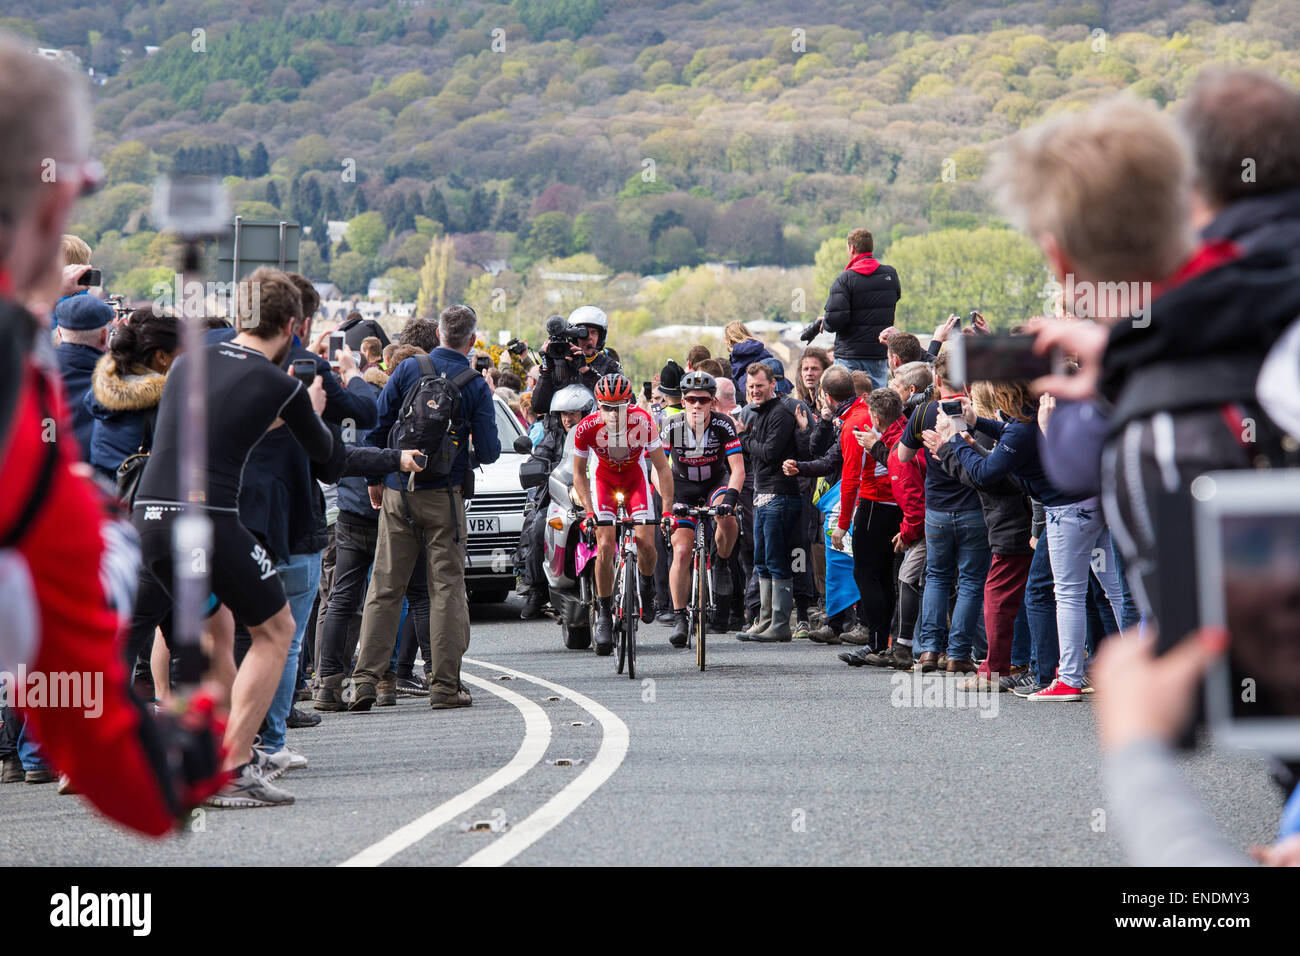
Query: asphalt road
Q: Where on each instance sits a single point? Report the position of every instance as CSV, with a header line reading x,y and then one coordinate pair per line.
x,y
778,754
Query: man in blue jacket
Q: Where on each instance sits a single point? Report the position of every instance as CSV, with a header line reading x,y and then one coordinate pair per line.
x,y
83,333
430,515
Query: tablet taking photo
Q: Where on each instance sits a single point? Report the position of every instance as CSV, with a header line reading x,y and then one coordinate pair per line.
x,y
1248,572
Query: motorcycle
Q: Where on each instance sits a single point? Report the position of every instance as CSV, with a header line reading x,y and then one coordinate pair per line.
x,y
568,554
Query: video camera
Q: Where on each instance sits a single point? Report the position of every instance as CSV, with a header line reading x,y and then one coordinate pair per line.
x,y
517,347
560,337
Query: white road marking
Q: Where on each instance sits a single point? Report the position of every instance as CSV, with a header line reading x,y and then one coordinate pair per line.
x,y
537,737
613,748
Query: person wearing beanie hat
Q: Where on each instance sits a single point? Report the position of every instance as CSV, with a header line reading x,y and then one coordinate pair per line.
x,y
670,383
83,337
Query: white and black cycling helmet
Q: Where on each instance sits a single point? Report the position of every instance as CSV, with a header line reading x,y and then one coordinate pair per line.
x,y
591,317
573,398
699,382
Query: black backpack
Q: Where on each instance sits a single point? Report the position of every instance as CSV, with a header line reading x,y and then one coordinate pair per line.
x,y
431,409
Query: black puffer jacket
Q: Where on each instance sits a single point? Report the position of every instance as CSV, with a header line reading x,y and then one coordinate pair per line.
x,y
769,440
860,306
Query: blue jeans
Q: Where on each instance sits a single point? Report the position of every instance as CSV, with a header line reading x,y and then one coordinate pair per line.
x,y
878,369
29,750
774,534
1080,545
1022,643
300,576
957,547
1040,613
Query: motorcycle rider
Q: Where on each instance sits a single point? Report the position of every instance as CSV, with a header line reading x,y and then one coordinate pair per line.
x,y
622,437
569,406
586,363
708,470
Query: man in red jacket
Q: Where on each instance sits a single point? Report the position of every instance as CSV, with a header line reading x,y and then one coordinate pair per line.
x,y
876,517
66,568
907,484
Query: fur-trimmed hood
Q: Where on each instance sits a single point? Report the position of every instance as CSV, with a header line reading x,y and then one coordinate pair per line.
x,y
376,376
139,391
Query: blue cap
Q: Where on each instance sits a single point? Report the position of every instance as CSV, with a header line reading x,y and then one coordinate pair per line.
x,y
83,312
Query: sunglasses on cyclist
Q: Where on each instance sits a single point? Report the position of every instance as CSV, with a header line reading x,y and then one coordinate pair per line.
x,y
697,399
607,407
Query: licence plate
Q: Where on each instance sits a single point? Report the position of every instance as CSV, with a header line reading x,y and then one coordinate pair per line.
x,y
483,524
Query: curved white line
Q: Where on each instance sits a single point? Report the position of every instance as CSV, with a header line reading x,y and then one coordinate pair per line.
x,y
613,748
537,737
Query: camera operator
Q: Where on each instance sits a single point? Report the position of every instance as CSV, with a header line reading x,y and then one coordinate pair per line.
x,y
574,353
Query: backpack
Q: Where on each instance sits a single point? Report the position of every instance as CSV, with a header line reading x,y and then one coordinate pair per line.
x,y
430,411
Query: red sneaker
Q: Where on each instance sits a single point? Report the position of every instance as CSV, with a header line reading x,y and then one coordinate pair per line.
x,y
1057,690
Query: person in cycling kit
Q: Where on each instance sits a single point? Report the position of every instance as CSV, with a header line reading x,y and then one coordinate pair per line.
x,y
623,439
708,471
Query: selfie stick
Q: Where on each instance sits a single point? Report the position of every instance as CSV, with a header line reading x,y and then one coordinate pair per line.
x,y
194,209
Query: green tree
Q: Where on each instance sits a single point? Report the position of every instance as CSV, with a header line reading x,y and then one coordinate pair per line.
x,y
550,236
434,275
999,272
129,162
350,272
366,233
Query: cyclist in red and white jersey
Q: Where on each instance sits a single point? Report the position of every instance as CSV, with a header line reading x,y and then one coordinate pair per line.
x,y
624,439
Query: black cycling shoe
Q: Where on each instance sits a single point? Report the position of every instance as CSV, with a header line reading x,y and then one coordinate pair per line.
x,y
604,626
681,624
647,590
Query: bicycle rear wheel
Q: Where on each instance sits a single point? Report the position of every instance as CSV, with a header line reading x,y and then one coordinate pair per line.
x,y
631,614
701,623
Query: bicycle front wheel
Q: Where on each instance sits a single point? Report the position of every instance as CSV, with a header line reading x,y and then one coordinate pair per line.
x,y
701,622
620,622
631,615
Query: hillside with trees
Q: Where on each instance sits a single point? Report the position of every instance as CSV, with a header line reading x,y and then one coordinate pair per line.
x,y
477,144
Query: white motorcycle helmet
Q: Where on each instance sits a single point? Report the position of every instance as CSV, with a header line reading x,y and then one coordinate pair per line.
x,y
573,398
589,316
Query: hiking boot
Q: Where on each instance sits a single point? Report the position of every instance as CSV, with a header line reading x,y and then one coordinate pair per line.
x,y
859,635
328,696
604,626
12,771
681,625
441,701
824,635
298,719
43,775
358,695
386,691
247,789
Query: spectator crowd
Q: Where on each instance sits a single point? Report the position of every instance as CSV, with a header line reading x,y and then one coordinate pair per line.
x,y
1001,532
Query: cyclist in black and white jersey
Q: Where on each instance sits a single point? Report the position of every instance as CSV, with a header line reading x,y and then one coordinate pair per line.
x,y
247,395
708,471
